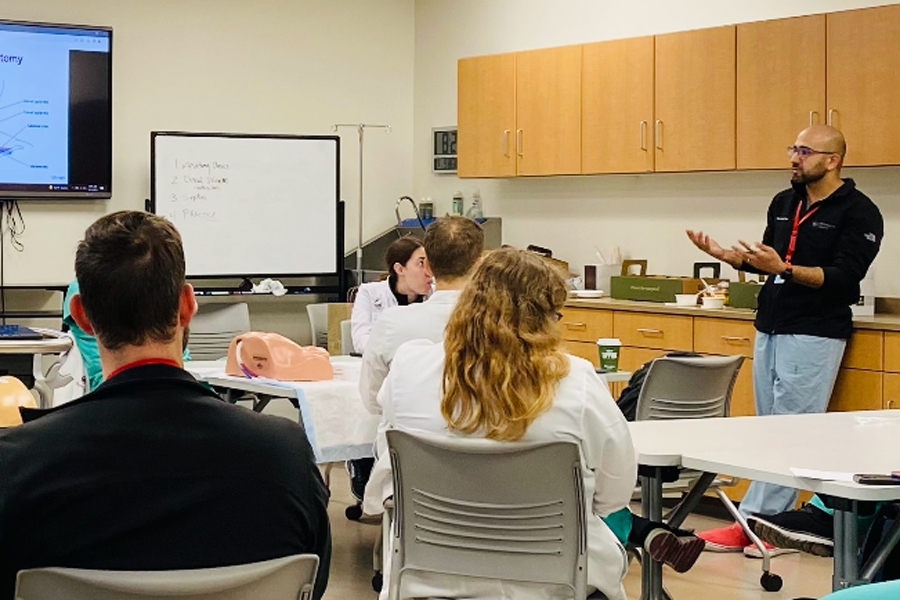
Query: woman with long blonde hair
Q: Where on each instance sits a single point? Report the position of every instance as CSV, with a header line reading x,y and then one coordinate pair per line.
x,y
502,373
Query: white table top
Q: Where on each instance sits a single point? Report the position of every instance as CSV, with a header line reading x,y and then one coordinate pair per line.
x,y
213,372
337,424
765,448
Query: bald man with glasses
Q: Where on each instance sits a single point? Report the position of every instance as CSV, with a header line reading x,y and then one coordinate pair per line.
x,y
821,236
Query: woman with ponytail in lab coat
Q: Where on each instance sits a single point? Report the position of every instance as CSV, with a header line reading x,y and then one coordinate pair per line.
x,y
408,281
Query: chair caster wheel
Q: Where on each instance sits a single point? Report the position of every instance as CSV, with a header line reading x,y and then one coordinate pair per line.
x,y
377,582
353,512
770,582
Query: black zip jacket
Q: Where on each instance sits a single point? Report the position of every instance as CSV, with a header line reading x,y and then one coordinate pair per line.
x,y
152,471
843,237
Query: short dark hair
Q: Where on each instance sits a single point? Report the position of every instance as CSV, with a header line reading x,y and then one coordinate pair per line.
x,y
130,271
453,246
400,252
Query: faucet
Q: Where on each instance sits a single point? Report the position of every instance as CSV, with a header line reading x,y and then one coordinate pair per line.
x,y
415,208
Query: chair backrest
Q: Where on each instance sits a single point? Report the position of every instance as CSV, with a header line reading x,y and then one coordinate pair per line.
x,y
318,324
346,337
288,578
473,507
213,328
680,387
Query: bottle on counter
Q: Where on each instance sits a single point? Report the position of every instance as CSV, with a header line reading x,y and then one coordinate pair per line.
x,y
457,204
475,211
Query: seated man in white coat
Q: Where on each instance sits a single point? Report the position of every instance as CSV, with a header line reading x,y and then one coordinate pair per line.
x,y
453,246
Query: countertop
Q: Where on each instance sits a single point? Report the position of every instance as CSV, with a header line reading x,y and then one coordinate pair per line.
x,y
879,322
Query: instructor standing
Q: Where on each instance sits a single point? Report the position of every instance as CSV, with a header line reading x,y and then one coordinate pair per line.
x,y
821,236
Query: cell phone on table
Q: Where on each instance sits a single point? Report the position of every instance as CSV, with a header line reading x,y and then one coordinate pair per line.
x,y
875,479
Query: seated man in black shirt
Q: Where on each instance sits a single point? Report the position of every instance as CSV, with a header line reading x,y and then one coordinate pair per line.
x,y
151,471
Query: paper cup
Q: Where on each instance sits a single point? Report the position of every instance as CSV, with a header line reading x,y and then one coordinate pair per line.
x,y
686,299
713,302
609,353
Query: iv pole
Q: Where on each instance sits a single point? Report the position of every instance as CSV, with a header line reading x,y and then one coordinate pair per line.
x,y
361,128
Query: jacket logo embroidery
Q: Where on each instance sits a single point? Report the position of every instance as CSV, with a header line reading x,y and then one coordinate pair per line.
x,y
377,302
822,225
871,237
781,218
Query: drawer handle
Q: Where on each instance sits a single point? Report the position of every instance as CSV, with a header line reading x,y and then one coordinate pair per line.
x,y
575,326
647,331
735,338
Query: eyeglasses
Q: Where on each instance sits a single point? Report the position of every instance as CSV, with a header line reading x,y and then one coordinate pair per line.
x,y
805,151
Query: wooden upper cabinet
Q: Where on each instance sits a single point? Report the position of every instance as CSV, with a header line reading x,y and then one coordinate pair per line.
x,y
617,106
695,100
486,116
780,87
548,111
863,82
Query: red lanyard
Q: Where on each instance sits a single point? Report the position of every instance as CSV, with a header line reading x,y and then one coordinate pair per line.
x,y
146,361
797,222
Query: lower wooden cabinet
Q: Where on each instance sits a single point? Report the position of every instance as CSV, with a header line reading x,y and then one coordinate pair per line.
x,y
856,389
742,402
585,350
891,395
869,378
631,358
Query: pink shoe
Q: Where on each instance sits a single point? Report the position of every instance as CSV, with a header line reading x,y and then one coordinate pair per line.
x,y
725,539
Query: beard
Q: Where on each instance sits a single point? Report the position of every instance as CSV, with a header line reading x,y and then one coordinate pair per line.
x,y
806,177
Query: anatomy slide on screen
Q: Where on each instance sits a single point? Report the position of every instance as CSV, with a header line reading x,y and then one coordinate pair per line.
x,y
34,111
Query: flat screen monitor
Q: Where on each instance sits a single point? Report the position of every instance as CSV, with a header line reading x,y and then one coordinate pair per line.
x,y
55,111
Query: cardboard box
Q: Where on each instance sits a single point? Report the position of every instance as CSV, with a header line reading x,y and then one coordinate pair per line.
x,y
743,293
657,288
337,312
654,288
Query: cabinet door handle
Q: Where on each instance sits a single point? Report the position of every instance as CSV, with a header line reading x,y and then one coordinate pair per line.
x,y
831,114
735,338
644,135
519,137
813,117
506,143
658,134
647,331
575,326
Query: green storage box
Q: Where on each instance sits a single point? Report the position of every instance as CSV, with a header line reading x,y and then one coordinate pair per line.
x,y
743,294
658,288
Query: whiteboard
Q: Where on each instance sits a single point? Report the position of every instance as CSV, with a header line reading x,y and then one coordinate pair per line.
x,y
250,205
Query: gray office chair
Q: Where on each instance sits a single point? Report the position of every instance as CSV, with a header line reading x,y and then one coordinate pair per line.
x,y
695,387
213,328
454,513
688,387
318,324
288,578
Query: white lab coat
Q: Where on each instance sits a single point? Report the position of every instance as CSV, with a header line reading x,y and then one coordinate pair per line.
x,y
583,411
371,300
396,326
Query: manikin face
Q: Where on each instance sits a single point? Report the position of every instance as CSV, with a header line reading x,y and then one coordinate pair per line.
x,y
414,275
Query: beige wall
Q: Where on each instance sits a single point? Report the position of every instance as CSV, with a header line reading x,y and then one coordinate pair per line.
x,y
643,214
270,66
279,66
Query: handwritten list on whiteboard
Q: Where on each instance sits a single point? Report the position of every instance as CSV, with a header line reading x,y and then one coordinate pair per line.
x,y
249,205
